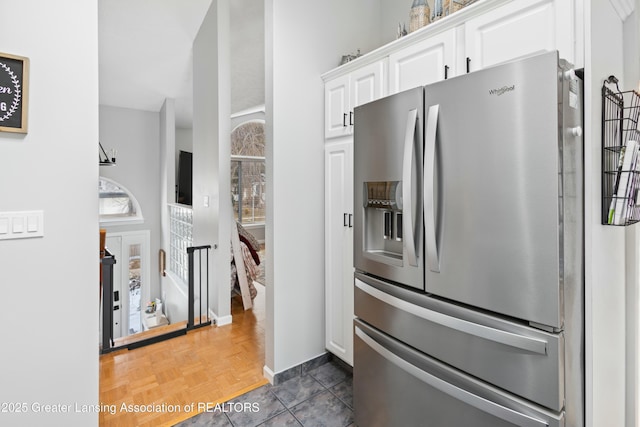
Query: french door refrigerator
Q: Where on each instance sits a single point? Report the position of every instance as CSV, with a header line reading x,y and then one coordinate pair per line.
x,y
468,248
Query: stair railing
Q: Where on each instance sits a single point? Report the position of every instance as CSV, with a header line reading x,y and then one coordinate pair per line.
x,y
107,301
191,324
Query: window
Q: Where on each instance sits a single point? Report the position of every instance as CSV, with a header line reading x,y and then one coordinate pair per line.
x,y
181,237
248,187
135,284
117,204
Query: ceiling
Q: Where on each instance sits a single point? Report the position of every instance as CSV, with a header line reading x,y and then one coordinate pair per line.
x,y
145,53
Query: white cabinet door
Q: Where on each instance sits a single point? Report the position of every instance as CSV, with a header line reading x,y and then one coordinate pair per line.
x,y
344,93
339,249
520,28
424,62
367,84
336,107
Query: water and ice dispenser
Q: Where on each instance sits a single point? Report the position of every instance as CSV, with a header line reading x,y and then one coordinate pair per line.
x,y
382,205
387,160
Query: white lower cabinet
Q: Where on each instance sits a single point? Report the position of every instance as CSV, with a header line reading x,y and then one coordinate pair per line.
x,y
338,158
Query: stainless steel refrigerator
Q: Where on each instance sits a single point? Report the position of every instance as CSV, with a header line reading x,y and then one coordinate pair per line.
x,y
468,248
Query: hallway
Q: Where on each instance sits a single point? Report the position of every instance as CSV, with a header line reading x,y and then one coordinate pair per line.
x,y
170,379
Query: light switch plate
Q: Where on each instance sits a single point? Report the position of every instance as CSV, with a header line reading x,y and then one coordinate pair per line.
x,y
4,225
32,223
21,224
17,224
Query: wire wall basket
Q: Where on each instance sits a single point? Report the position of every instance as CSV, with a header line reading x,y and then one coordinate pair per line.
x,y
620,155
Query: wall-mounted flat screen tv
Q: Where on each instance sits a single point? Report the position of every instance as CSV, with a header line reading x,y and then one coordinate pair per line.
x,y
185,176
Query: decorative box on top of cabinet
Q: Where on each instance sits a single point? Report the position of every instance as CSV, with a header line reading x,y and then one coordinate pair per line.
x,y
346,92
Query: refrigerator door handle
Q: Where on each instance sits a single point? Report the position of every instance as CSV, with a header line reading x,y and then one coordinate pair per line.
x,y
407,190
433,260
484,405
510,339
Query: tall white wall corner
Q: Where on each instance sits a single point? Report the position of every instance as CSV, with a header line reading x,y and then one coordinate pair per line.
x,y
623,8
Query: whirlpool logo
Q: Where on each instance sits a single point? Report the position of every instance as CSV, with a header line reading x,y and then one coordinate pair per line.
x,y
502,90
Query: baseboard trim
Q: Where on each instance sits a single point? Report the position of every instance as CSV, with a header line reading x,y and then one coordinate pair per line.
x,y
296,371
220,321
268,374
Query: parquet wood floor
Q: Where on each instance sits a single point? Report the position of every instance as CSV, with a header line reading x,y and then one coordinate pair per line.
x,y
177,377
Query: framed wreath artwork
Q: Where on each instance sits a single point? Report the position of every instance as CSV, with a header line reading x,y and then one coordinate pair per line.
x,y
14,85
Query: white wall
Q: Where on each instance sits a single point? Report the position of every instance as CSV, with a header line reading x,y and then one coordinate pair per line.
x,y
184,140
168,292
50,285
631,46
247,53
135,134
394,12
605,254
211,152
303,40
168,163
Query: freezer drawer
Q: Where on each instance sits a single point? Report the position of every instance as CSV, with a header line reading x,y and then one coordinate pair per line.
x,y
520,359
395,385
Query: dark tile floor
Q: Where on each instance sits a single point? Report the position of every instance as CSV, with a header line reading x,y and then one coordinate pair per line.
x,y
321,397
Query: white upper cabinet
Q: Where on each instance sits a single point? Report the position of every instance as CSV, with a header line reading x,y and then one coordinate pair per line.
x,y
425,62
367,84
336,107
520,28
483,34
346,92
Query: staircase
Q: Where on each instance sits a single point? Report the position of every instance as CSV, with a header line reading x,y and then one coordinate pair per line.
x,y
159,333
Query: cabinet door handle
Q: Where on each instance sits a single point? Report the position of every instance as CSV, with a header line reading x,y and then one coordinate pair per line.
x,y
446,72
350,220
351,118
344,219
344,120
468,64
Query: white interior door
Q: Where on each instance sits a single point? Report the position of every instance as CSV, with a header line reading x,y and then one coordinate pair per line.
x,y
131,275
